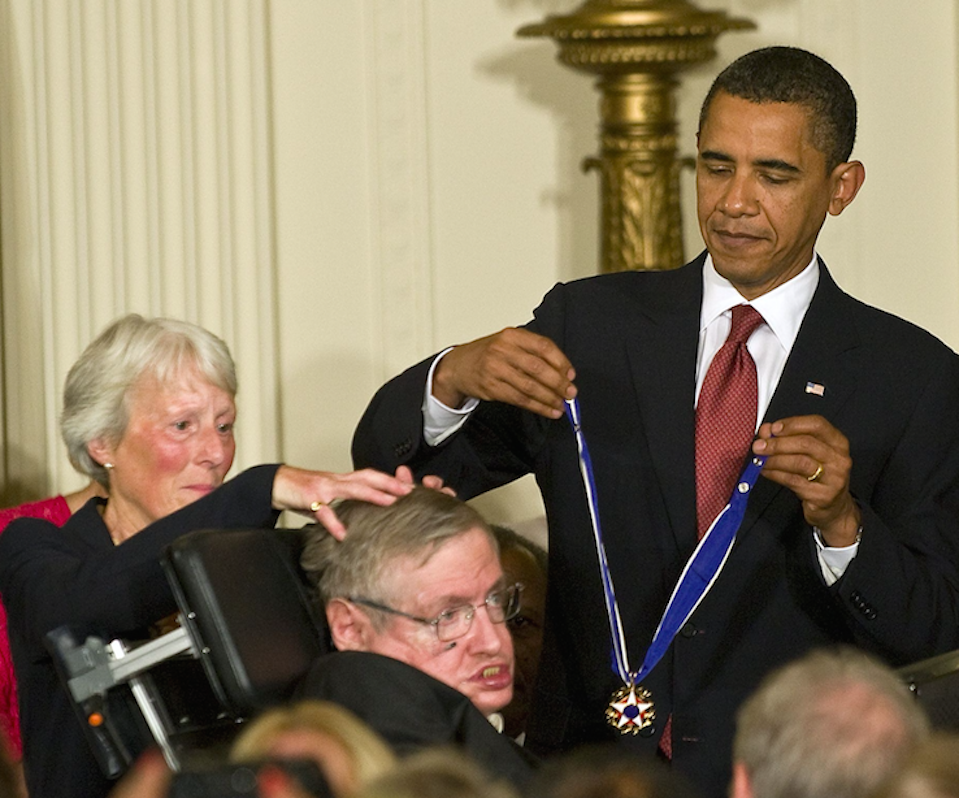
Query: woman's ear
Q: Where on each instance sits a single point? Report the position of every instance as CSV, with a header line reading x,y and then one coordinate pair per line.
x,y
101,451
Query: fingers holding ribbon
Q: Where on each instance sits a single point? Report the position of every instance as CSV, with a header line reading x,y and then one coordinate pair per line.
x,y
811,457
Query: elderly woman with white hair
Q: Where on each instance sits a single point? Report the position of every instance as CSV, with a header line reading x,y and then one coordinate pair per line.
x,y
149,413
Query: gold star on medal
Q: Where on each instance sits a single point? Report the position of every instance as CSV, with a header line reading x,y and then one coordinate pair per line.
x,y
630,710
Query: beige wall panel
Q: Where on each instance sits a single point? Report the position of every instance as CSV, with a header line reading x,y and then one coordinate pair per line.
x,y
444,189
329,335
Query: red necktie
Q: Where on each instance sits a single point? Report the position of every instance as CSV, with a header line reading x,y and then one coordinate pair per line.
x,y
725,417
725,426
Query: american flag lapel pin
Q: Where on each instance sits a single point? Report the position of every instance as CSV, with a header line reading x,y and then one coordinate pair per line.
x,y
815,388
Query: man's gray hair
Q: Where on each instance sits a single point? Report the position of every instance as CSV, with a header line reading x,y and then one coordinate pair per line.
x,y
97,386
415,526
833,724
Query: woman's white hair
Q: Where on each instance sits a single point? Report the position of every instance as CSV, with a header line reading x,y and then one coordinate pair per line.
x,y
97,386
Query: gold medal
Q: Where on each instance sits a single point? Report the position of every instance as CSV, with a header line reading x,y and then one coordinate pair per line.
x,y
630,709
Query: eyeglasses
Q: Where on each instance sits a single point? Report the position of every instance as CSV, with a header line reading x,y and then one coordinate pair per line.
x,y
501,605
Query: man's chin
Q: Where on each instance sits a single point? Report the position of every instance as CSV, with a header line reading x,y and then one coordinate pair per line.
x,y
490,702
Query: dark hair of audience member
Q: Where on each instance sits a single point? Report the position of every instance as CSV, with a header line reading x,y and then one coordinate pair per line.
x,y
526,562
607,771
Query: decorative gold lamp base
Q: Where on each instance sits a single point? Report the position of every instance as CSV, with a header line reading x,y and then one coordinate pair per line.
x,y
637,47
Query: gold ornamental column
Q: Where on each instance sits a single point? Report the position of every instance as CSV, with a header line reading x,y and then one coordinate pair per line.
x,y
637,47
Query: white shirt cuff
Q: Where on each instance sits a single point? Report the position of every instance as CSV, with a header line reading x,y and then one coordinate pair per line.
x,y
439,420
833,561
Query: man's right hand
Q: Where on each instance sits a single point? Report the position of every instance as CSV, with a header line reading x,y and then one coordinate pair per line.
x,y
514,366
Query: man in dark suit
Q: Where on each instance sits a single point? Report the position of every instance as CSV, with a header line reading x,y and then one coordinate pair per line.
x,y
417,603
853,535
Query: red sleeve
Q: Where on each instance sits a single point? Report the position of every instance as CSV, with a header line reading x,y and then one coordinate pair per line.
x,y
56,511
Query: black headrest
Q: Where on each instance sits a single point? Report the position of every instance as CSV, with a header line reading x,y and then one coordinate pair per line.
x,y
246,603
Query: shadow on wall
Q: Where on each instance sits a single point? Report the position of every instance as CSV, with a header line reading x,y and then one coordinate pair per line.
x,y
17,489
570,100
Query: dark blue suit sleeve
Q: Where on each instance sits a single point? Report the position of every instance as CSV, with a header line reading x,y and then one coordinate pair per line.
x,y
74,575
497,444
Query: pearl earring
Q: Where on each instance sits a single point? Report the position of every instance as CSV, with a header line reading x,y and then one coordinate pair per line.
x,y
108,466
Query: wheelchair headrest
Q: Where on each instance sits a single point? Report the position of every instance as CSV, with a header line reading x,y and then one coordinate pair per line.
x,y
250,611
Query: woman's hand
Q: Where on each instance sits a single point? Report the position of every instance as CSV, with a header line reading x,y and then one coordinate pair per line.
x,y
430,481
311,492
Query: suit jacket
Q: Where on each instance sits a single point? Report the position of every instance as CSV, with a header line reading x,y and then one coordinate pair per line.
x,y
890,387
412,711
75,576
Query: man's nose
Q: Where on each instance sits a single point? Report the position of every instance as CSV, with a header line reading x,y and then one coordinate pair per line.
x,y
739,198
484,635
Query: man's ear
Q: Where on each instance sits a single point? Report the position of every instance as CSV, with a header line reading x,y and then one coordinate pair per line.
x,y
741,786
848,178
350,627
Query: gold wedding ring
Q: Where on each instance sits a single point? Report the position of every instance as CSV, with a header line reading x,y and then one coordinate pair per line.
x,y
317,505
816,474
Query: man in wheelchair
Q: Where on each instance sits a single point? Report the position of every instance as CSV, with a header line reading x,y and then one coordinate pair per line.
x,y
417,602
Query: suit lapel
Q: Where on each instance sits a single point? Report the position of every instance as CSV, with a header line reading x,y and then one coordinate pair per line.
x,y
661,351
819,376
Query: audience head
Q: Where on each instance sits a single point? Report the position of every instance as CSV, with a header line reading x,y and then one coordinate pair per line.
x,y
148,413
349,753
930,771
524,562
438,773
798,77
833,724
607,771
420,581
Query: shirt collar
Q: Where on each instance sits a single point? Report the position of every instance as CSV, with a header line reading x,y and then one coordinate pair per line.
x,y
783,308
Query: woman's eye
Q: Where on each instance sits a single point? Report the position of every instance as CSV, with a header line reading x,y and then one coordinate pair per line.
x,y
224,428
181,425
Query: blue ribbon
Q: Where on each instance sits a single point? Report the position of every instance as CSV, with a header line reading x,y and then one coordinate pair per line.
x,y
699,573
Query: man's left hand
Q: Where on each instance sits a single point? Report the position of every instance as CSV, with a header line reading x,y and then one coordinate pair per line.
x,y
810,456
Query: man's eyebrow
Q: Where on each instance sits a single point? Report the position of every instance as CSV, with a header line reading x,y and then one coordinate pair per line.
x,y
778,165
715,155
